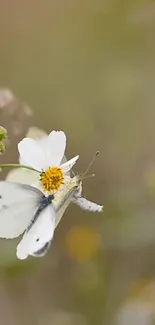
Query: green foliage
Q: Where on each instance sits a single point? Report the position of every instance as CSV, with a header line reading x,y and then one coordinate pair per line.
x,y
3,136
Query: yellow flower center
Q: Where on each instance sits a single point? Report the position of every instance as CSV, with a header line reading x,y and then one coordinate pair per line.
x,y
52,179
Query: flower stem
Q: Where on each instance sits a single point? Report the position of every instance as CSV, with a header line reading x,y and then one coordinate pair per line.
x,y
18,166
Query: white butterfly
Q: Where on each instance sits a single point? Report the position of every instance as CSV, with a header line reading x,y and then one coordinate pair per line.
x,y
25,209
72,192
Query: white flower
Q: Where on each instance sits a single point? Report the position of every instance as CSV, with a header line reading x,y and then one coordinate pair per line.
x,y
45,156
29,177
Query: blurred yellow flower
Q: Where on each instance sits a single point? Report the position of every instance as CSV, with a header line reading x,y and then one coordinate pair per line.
x,y
82,242
138,287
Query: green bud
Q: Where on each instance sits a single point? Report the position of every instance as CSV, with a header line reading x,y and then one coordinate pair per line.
x,y
3,133
2,147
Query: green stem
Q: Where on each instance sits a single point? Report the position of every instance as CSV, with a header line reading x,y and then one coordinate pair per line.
x,y
18,166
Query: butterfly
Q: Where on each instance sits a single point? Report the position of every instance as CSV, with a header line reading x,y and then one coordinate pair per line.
x,y
25,209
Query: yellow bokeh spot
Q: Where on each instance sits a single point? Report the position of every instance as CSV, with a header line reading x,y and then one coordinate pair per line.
x,y
138,287
82,243
52,179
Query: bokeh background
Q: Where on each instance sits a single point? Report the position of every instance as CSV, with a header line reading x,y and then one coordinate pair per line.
x,y
88,68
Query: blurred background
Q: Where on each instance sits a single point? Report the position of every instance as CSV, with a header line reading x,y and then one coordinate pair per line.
x,y
88,68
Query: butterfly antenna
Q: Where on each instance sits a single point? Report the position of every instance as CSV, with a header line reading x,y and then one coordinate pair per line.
x,y
88,176
91,163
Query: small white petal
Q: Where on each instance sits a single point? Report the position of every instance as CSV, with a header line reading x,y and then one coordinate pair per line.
x,y
42,143
64,159
21,175
55,147
22,160
36,134
32,154
69,164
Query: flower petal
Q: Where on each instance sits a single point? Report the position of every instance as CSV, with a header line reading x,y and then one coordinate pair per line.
x,y
36,134
42,143
55,147
32,154
69,164
64,159
21,175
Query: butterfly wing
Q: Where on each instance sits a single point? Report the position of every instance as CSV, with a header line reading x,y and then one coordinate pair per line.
x,y
85,204
18,204
38,236
64,197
